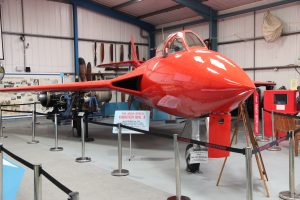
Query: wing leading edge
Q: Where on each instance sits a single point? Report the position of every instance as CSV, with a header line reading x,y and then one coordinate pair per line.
x,y
128,83
78,86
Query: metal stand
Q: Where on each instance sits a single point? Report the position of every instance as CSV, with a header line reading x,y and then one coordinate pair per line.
x,y
74,196
33,140
262,138
83,158
87,138
1,172
131,156
120,171
248,157
243,115
1,125
56,148
178,175
37,182
275,147
291,194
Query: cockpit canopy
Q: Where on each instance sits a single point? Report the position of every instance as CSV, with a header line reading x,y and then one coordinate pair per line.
x,y
179,41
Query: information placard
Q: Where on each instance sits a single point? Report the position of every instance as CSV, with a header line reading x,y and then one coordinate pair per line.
x,y
199,156
134,118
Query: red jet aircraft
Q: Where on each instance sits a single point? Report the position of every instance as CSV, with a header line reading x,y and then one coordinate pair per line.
x,y
183,79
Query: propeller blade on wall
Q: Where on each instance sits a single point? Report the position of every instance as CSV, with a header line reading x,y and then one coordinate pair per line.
x,y
102,52
121,53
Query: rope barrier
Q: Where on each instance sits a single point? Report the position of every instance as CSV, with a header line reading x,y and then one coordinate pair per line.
x,y
103,123
161,135
56,182
39,113
20,111
43,172
17,158
269,145
272,143
21,104
182,139
211,145
17,111
133,129
201,143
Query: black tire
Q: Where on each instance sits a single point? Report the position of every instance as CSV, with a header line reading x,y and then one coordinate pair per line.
x,y
192,168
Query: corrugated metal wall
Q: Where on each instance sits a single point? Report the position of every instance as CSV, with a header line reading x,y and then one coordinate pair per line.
x,y
55,53
94,26
45,18
284,51
201,29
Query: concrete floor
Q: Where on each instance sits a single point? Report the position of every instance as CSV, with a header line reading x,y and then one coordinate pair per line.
x,y
151,170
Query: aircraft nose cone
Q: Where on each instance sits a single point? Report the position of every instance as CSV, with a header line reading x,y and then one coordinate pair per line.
x,y
229,82
239,86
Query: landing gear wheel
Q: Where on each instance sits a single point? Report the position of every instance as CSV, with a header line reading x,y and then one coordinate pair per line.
x,y
192,168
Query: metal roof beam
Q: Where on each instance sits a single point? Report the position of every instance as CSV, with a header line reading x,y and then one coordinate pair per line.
x,y
182,25
262,7
158,12
127,3
232,14
205,11
93,6
257,8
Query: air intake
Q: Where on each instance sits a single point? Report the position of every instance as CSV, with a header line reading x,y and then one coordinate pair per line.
x,y
132,83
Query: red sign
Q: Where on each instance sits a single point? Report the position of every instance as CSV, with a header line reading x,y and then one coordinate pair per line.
x,y
256,112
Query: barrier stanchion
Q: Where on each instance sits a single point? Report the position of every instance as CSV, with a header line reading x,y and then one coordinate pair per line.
x,y
120,171
33,140
291,194
74,196
1,172
178,175
248,156
262,137
38,173
37,182
1,125
83,158
36,122
56,148
275,147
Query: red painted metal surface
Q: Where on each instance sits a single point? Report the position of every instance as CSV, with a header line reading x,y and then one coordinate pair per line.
x,y
219,133
187,83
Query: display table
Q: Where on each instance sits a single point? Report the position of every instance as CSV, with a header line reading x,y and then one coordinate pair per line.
x,y
284,124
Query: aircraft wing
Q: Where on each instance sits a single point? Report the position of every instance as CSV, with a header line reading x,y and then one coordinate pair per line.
x,y
78,86
120,84
118,65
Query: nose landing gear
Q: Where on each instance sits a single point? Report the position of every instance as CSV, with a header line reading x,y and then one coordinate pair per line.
x,y
191,167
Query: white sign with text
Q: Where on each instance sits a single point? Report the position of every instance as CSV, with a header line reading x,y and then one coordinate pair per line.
x,y
134,118
199,156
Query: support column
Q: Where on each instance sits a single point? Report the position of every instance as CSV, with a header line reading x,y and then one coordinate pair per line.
x,y
75,32
151,43
213,30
